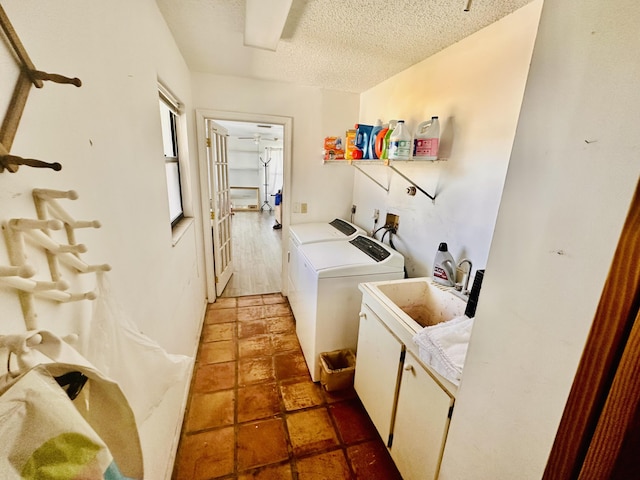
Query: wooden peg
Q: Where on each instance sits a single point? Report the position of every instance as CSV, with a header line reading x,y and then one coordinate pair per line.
x,y
71,338
85,224
75,262
54,77
31,286
46,193
23,271
64,297
52,246
31,224
11,161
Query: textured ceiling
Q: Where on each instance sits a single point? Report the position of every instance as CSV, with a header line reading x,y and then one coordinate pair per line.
x,y
348,45
244,135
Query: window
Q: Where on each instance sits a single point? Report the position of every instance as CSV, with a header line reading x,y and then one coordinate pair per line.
x,y
169,117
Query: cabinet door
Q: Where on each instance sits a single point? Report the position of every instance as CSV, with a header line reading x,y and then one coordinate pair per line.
x,y
421,423
377,370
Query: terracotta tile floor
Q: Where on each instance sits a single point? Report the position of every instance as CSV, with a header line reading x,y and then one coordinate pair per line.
x,y
254,412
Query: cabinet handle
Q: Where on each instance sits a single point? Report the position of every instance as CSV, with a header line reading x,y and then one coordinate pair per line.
x,y
408,367
363,315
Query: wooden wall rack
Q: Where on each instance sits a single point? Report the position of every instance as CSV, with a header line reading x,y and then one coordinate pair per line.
x,y
20,231
29,76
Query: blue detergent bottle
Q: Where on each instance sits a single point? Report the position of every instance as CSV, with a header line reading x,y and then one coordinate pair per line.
x,y
363,134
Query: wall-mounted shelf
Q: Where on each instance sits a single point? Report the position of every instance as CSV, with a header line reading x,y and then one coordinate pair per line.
x,y
355,165
355,162
432,197
392,165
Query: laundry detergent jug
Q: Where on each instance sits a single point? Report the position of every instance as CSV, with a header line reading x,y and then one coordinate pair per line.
x,y
363,134
400,143
427,140
384,148
444,269
373,139
379,148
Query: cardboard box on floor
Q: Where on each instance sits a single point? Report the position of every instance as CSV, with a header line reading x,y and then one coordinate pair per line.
x,y
337,369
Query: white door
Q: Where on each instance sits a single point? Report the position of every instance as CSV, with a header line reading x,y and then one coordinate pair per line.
x,y
377,370
219,204
421,424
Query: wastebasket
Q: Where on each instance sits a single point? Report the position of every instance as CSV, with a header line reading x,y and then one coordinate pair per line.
x,y
337,369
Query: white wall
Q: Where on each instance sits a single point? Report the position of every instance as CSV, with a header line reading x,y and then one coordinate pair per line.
x,y
107,136
572,174
476,88
316,113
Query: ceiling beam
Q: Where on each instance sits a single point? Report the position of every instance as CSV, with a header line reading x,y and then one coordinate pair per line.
x,y
264,22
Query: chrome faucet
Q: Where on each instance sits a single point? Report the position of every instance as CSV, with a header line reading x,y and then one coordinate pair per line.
x,y
467,275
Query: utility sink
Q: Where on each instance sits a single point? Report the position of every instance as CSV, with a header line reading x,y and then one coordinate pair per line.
x,y
420,302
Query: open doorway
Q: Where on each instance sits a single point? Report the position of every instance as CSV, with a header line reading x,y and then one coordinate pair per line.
x,y
259,259
255,153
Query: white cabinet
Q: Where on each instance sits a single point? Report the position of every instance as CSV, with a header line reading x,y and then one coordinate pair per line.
x,y
421,423
409,407
377,368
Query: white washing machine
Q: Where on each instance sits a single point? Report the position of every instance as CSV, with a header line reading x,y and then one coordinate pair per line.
x,y
328,297
303,233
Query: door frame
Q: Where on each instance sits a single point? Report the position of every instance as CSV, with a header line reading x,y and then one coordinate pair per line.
x,y
598,423
202,115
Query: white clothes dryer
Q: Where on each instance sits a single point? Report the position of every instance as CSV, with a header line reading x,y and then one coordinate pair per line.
x,y
336,229
328,299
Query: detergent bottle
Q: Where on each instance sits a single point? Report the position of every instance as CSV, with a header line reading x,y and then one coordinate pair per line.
x,y
379,146
427,140
443,267
385,142
363,133
372,139
399,143
350,144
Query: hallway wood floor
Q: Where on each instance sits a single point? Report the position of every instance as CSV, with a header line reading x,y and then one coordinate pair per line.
x,y
256,253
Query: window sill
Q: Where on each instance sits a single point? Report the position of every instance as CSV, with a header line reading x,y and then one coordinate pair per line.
x,y
180,229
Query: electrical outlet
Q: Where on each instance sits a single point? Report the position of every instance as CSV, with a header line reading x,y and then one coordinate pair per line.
x,y
303,208
353,209
392,221
376,214
296,207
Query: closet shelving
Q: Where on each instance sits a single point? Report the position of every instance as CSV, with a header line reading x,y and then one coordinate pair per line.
x,y
21,233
